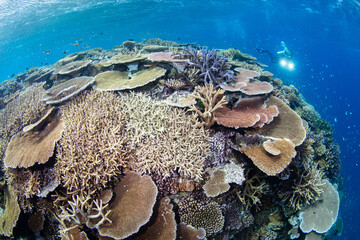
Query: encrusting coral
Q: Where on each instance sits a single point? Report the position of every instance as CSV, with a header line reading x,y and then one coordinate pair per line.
x,y
92,150
208,217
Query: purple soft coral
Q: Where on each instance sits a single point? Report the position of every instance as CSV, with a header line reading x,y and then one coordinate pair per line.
x,y
212,67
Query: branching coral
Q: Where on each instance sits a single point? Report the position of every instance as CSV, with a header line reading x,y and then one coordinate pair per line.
x,y
213,69
166,140
92,150
305,189
23,110
211,99
252,190
81,209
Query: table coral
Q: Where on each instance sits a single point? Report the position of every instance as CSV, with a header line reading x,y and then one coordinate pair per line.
x,y
321,215
131,208
28,148
266,161
66,90
249,112
288,124
216,184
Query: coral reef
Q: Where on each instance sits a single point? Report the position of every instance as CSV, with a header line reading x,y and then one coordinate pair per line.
x,y
201,153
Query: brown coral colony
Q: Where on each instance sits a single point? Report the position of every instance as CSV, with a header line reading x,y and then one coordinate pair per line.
x,y
152,140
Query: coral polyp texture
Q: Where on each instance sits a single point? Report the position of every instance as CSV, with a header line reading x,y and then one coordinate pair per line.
x,y
160,140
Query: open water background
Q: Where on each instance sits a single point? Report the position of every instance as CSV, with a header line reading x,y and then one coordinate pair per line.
x,y
324,35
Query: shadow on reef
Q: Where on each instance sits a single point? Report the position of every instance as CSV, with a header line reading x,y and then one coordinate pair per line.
x,y
160,140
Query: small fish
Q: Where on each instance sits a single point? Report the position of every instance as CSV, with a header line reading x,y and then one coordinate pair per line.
x,y
76,44
47,52
12,75
64,52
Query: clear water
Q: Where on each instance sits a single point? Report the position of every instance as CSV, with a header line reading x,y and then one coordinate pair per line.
x,y
324,35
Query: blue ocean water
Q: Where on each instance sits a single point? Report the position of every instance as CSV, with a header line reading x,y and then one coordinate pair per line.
x,y
324,36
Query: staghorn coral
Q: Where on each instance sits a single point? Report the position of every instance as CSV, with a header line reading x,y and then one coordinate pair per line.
x,y
305,189
81,209
23,110
213,69
252,190
211,99
166,140
29,182
92,150
208,217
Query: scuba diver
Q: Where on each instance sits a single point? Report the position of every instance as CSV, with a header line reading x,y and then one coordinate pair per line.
x,y
285,53
283,57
